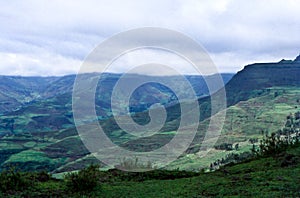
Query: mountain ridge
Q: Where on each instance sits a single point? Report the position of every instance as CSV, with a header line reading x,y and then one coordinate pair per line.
x,y
259,76
51,99
247,92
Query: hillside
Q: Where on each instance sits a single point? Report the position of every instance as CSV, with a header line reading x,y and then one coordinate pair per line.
x,y
263,177
269,176
254,78
31,104
259,100
16,91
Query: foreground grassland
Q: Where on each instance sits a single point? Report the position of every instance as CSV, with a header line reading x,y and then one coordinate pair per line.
x,y
275,176
258,178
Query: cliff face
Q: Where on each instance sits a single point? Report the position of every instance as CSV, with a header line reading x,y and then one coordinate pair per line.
x,y
263,75
246,83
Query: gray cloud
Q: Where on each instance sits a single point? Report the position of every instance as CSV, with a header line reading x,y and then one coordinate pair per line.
x,y
40,37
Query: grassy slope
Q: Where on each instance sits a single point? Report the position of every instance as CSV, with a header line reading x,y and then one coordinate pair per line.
x,y
246,119
262,177
258,178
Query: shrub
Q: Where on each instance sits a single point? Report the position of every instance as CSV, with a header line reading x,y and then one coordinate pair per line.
x,y
42,176
12,180
84,180
272,145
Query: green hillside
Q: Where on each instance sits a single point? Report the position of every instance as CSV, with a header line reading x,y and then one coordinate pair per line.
x,y
262,110
275,175
260,102
263,177
245,120
248,82
32,104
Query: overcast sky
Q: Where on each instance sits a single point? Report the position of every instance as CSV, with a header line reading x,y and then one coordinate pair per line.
x,y
53,37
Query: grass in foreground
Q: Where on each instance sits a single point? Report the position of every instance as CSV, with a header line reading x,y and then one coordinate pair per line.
x,y
277,176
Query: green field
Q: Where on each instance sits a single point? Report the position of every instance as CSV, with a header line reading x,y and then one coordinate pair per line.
x,y
62,150
271,176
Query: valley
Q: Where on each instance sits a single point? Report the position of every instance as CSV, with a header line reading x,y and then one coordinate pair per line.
x,y
38,132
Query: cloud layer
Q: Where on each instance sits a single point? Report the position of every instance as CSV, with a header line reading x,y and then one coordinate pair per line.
x,y
40,37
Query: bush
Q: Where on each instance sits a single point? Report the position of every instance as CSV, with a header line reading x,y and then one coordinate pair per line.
x,y
114,175
12,180
42,176
272,145
84,180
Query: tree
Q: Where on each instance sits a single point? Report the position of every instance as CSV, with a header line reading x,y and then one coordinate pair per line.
x,y
236,146
86,179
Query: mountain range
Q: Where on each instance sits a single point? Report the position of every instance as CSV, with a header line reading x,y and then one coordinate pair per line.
x,y
45,103
38,132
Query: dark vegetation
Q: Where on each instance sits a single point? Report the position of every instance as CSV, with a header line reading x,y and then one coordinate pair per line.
x,y
87,181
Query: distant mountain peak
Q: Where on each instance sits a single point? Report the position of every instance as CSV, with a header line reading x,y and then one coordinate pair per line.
x,y
285,61
297,59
